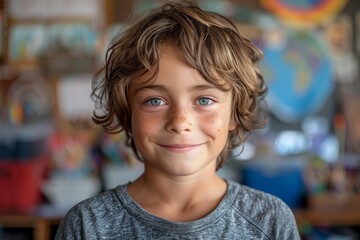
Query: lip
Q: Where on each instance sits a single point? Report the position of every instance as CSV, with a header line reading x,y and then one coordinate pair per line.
x,y
180,148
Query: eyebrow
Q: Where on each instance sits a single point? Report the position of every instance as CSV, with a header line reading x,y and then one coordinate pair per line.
x,y
162,88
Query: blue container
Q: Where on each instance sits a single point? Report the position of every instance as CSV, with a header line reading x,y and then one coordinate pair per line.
x,y
7,142
282,178
24,142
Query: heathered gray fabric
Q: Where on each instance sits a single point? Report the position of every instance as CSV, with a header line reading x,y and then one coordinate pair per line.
x,y
244,213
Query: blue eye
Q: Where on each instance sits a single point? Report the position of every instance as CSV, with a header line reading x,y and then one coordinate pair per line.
x,y
155,102
205,101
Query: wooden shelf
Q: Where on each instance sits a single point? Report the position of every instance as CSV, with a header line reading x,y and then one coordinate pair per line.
x,y
344,217
41,225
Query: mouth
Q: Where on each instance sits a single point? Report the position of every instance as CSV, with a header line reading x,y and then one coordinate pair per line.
x,y
180,148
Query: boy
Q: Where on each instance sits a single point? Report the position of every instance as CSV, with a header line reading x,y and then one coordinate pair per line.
x,y
184,86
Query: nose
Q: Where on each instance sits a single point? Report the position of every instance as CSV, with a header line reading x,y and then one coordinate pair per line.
x,y
179,120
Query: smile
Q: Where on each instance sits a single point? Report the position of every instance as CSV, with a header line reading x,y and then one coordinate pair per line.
x,y
180,148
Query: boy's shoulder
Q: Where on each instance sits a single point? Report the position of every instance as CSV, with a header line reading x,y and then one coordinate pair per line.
x,y
253,202
99,206
251,198
94,217
262,210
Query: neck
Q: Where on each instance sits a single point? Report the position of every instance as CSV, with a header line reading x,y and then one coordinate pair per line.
x,y
182,198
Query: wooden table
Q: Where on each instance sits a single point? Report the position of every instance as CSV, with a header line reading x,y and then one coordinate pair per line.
x,y
41,225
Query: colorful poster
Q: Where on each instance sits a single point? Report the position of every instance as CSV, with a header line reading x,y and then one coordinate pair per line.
x,y
306,12
81,37
298,73
27,42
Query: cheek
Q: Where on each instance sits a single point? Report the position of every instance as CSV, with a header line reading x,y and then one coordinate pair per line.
x,y
216,122
144,125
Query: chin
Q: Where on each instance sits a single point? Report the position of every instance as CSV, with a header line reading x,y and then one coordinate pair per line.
x,y
183,170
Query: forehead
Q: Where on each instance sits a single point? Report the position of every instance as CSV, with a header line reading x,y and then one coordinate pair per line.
x,y
172,63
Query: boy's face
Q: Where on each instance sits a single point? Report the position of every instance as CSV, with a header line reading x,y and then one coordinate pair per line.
x,y
180,122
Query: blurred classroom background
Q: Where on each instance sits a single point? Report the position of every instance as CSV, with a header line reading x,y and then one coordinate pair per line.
x,y
52,155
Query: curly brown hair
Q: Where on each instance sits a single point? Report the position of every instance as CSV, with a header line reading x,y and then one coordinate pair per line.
x,y
208,42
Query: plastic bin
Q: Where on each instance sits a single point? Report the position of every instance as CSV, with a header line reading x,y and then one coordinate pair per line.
x,y
282,178
20,183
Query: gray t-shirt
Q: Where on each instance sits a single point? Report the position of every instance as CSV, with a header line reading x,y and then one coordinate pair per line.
x,y
243,213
